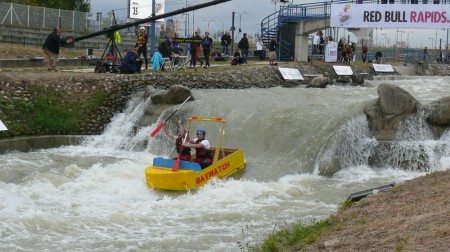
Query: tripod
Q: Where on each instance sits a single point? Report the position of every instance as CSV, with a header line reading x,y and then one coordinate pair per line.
x,y
113,57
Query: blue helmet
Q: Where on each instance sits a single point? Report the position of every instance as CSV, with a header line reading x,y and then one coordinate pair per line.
x,y
201,131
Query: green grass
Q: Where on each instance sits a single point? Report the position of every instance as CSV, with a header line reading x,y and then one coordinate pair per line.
x,y
295,238
48,112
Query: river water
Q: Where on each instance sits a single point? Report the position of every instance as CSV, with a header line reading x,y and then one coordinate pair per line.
x,y
93,197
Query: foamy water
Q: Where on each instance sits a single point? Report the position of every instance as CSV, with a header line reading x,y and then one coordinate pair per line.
x,y
93,197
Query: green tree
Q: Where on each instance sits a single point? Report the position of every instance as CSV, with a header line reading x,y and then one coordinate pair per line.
x,y
84,5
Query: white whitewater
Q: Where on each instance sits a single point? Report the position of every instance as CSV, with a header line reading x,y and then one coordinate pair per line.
x,y
93,197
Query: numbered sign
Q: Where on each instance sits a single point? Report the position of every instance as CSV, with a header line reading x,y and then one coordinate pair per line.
x,y
141,9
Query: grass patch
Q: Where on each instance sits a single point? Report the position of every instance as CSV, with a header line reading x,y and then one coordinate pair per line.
x,y
48,112
296,237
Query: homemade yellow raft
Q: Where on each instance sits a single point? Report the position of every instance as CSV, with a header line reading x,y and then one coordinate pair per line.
x,y
189,175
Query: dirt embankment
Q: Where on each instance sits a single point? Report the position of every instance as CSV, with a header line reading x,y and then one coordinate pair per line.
x,y
413,216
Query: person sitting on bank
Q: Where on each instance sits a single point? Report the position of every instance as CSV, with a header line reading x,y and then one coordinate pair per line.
x,y
237,58
202,149
183,152
131,63
165,48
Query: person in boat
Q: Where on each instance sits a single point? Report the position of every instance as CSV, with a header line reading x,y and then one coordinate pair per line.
x,y
183,152
202,149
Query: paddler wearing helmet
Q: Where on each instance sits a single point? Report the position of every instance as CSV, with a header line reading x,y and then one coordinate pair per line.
x,y
202,149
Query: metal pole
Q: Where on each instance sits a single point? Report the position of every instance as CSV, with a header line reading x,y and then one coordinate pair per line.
x,y
446,48
232,33
153,30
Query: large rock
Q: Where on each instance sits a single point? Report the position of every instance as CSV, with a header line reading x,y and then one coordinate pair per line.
x,y
439,112
175,95
357,79
385,114
320,82
395,101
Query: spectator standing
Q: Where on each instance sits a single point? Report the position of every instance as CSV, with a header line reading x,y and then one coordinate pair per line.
x,y
225,41
244,46
340,50
259,45
365,49
141,42
51,48
425,54
321,44
272,51
207,44
315,43
195,47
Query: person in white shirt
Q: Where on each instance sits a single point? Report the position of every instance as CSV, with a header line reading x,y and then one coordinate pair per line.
x,y
259,45
315,43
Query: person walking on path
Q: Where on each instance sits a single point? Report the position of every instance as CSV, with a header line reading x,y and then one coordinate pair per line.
x,y
51,48
244,46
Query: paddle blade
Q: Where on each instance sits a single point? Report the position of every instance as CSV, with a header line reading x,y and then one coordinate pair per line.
x,y
157,130
177,163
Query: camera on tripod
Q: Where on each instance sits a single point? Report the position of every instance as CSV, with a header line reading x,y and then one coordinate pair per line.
x,y
110,33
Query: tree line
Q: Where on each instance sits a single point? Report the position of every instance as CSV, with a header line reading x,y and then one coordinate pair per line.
x,y
83,5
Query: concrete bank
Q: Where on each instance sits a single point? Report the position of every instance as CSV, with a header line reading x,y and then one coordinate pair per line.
x,y
25,144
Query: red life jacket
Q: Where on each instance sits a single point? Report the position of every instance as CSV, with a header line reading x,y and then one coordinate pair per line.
x,y
180,148
202,152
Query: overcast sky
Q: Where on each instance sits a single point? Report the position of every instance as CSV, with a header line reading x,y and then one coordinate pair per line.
x,y
250,13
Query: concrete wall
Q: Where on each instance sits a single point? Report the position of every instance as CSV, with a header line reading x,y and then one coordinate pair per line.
x,y
25,144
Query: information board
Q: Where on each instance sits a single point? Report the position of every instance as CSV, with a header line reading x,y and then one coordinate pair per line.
x,y
290,73
343,70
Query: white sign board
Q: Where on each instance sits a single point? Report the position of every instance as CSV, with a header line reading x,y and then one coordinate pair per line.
x,y
343,70
383,68
331,52
426,16
2,126
290,73
141,9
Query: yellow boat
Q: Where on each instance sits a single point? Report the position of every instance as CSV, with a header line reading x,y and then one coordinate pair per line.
x,y
189,175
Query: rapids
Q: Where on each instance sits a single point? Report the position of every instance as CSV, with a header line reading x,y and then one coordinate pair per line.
x,y
93,197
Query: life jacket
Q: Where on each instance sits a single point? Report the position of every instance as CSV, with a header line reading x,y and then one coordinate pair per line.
x,y
140,39
202,152
180,148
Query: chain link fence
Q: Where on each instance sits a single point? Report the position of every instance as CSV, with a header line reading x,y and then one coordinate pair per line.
x,y
45,18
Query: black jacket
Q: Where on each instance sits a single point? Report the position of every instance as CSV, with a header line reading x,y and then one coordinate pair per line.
x,y
53,42
165,49
243,43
